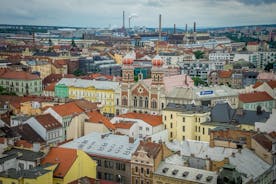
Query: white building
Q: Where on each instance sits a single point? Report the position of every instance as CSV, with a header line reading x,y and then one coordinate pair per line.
x,y
138,125
47,127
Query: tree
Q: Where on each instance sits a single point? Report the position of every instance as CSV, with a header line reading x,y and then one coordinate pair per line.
x,y
4,91
78,72
269,66
199,82
199,54
73,44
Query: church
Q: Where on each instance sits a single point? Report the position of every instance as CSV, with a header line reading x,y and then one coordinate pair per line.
x,y
147,95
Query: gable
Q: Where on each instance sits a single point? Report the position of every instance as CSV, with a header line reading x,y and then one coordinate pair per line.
x,y
140,90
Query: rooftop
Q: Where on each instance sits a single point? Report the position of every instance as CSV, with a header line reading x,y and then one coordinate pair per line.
x,y
48,121
153,120
67,109
187,108
245,160
64,157
97,117
186,173
24,154
30,173
105,145
19,75
255,97
83,83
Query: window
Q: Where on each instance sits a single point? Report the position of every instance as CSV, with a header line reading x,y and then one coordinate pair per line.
x,y
195,137
165,118
124,101
136,169
196,128
171,135
142,170
153,104
183,119
171,116
183,128
199,129
183,138
141,101
171,125
147,129
146,102
203,130
148,171
117,101
135,102
140,128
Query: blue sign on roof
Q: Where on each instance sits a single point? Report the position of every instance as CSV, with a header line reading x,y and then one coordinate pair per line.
x,y
209,92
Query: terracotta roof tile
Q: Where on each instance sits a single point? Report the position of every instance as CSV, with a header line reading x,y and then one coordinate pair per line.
x,y
28,134
23,143
96,117
124,125
48,121
151,148
64,157
153,120
21,75
252,43
67,109
263,141
255,97
50,87
272,84
257,84
225,74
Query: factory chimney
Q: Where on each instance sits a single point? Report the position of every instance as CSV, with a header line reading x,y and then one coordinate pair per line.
x,y
160,31
194,33
174,29
123,20
186,28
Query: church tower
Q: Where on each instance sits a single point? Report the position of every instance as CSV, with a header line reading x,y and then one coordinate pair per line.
x,y
157,72
128,69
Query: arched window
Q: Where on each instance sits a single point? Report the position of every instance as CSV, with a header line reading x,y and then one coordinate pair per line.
x,y
146,102
153,104
135,101
140,101
124,101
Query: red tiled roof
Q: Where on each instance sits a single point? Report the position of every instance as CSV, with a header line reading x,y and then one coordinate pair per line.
x,y
64,157
225,74
88,180
124,125
153,120
50,87
255,97
264,141
272,84
252,43
23,143
48,121
2,140
21,75
257,84
96,117
151,148
67,109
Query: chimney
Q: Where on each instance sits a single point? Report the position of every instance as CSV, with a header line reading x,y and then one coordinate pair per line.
x,y
131,140
160,31
239,111
186,28
233,154
123,20
174,29
194,27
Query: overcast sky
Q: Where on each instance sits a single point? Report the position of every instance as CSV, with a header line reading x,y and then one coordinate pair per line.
x,y
102,13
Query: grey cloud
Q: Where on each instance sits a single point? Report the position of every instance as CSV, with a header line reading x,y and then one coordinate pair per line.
x,y
257,2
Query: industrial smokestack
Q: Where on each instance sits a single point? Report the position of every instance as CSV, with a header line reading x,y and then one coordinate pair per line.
x,y
195,36
174,29
194,27
123,19
186,28
160,27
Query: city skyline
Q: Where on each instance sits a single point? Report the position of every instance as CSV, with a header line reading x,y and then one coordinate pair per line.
x,y
85,13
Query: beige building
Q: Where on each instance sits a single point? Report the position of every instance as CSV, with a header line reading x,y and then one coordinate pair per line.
x,y
187,122
41,67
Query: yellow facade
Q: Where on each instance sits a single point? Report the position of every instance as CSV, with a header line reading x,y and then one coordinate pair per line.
x,y
28,109
118,58
104,96
182,126
247,127
44,69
